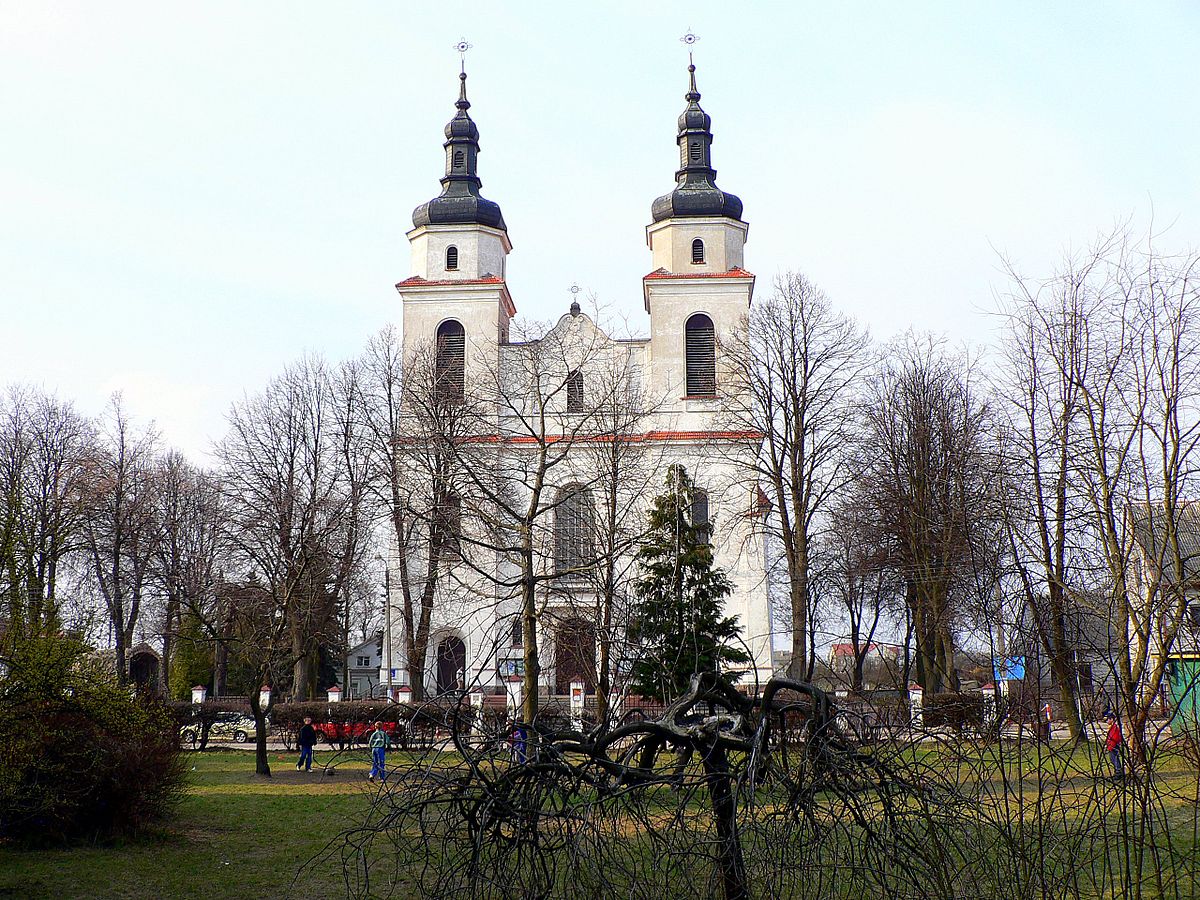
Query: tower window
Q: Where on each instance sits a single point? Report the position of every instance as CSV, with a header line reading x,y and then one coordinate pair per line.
x,y
458,159
697,252
573,549
451,259
695,152
449,521
700,352
449,365
575,391
700,510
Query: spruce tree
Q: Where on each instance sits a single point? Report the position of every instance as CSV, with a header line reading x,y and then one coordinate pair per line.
x,y
678,599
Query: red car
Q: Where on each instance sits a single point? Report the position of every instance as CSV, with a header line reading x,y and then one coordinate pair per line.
x,y
352,732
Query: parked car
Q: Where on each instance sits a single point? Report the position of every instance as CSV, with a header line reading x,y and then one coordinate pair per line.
x,y
233,725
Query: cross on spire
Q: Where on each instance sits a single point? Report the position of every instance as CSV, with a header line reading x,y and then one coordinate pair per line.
x,y
462,47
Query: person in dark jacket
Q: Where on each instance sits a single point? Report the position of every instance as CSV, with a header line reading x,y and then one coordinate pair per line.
x,y
307,739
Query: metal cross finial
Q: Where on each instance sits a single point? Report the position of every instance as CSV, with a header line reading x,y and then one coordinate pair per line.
x,y
688,40
462,47
575,289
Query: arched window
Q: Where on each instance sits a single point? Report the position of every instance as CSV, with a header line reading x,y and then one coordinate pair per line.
x,y
573,550
458,159
449,520
700,509
697,252
700,356
451,259
575,391
451,351
695,151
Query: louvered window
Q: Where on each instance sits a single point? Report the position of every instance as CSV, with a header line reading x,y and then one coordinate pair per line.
x,y
451,259
573,531
697,252
701,352
458,159
575,391
695,151
451,351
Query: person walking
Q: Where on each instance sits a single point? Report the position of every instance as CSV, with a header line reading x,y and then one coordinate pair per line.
x,y
1112,746
378,742
306,739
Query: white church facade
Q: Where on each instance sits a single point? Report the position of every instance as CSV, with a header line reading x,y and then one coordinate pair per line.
x,y
456,299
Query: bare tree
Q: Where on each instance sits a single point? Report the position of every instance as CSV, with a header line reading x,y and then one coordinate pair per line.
x,y
796,365
119,526
187,522
44,447
289,522
928,484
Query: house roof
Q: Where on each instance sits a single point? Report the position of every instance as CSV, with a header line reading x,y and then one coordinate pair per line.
x,y
1153,530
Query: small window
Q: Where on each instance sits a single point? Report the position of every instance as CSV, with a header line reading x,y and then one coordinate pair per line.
x,y
697,252
516,637
458,159
575,391
700,356
452,258
695,153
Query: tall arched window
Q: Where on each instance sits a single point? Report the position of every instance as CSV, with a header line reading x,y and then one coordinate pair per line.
x,y
700,349
458,159
449,520
575,391
697,252
451,259
573,547
700,509
451,352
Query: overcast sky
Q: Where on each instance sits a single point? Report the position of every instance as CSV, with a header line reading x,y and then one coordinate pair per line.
x,y
192,195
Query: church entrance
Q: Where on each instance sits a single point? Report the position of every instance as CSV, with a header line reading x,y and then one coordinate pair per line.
x,y
451,665
574,655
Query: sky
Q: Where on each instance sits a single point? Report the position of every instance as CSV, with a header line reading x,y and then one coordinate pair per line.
x,y
194,195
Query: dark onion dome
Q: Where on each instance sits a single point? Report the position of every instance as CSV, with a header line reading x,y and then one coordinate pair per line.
x,y
460,202
696,192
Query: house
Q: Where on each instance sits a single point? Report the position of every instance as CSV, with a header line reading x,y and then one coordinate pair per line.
x,y
363,667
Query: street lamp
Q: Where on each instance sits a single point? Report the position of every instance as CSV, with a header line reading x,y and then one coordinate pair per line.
x,y
387,623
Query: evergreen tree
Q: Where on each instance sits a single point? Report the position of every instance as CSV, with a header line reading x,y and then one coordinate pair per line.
x,y
677,615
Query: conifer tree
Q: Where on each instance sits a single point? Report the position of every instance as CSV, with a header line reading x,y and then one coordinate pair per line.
x,y
679,596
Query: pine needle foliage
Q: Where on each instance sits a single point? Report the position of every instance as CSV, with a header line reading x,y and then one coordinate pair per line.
x,y
679,598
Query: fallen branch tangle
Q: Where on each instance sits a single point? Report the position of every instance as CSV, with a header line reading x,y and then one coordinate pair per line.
x,y
730,796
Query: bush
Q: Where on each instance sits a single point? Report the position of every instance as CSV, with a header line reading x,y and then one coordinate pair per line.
x,y
80,757
956,711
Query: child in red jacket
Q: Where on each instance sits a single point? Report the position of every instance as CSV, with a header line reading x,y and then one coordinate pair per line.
x,y
1113,746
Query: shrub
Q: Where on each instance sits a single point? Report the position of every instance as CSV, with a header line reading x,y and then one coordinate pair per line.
x,y
956,711
80,757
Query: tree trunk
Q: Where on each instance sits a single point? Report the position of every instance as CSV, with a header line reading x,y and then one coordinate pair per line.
x,y
730,862
262,764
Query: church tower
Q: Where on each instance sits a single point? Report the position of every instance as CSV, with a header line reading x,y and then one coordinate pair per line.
x,y
698,290
456,295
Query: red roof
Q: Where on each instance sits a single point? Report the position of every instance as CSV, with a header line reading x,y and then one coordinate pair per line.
x,y
418,280
735,272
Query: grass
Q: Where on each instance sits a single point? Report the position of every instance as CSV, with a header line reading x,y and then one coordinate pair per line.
x,y
236,835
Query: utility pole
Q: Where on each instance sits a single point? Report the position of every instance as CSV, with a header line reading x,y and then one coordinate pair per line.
x,y
387,626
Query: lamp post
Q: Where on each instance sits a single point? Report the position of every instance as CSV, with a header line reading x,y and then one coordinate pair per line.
x,y
387,624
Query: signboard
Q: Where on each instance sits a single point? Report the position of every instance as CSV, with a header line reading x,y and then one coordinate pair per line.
x,y
1008,668
577,695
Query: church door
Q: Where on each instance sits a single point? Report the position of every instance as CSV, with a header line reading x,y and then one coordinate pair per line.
x,y
451,665
574,655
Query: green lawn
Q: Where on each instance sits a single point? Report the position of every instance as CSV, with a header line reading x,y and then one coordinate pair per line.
x,y
236,835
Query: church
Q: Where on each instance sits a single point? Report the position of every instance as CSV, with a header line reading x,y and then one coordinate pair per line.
x,y
456,299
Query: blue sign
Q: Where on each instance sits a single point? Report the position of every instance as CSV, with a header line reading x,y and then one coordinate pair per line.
x,y
1008,668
